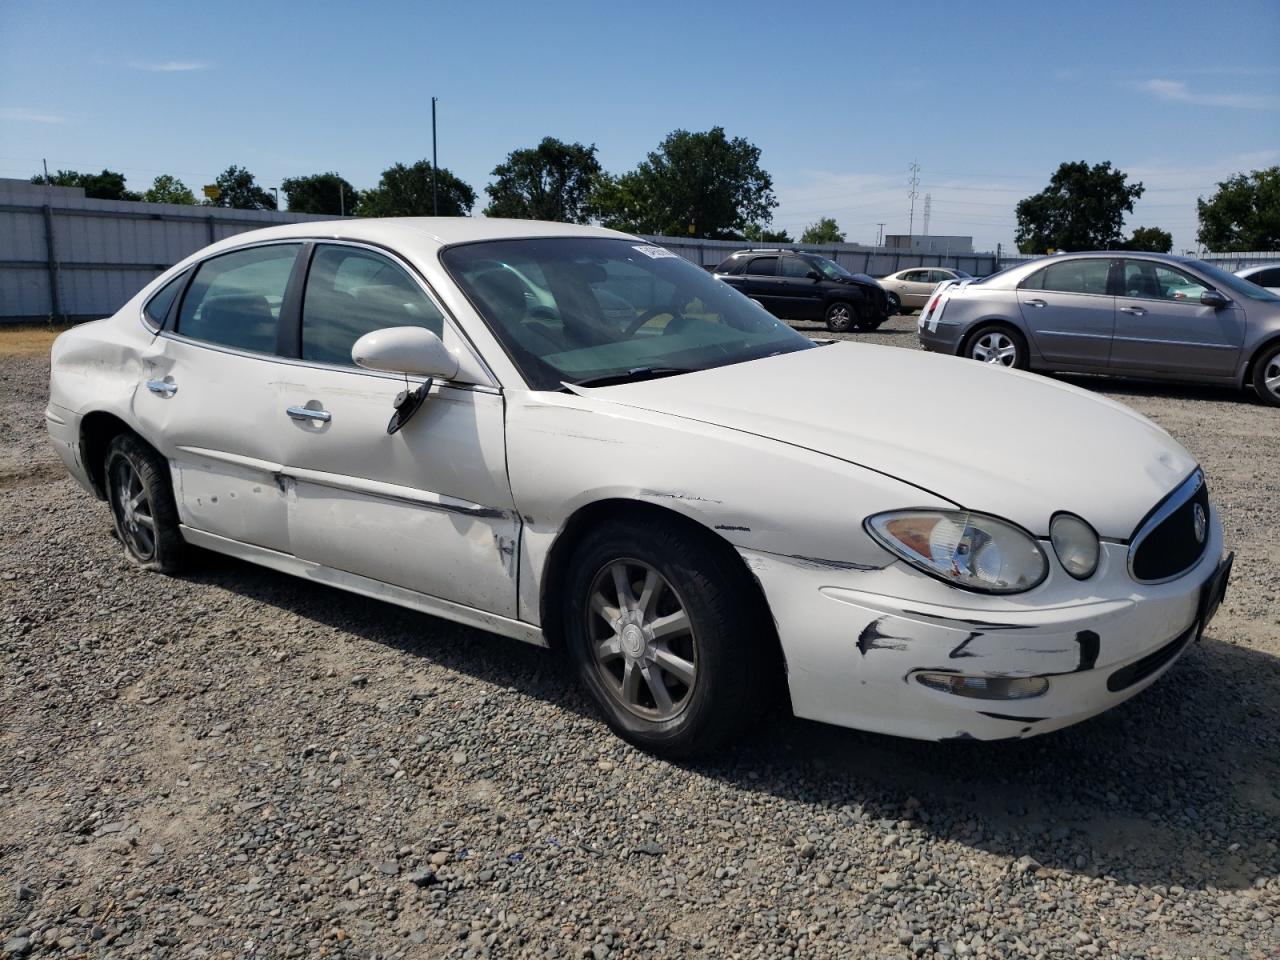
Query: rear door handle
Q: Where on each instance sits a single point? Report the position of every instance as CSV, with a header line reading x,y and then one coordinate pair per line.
x,y
1035,303
162,388
306,413
1136,311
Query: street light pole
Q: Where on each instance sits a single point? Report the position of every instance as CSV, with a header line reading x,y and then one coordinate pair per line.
x,y
435,163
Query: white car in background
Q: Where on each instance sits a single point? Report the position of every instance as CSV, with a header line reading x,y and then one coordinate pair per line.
x,y
1266,275
914,285
451,415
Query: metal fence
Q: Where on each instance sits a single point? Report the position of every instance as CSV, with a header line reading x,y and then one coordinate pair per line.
x,y
63,255
877,261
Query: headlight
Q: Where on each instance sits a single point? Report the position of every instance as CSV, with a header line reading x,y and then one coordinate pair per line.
x,y
1076,545
969,550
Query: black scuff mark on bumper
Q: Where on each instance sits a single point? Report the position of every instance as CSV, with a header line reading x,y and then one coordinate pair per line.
x,y
820,562
1090,643
1011,717
873,637
959,651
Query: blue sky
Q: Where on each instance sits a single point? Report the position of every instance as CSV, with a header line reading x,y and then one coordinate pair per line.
x,y
839,97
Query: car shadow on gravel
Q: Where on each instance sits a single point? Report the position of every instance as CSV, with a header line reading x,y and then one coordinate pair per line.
x,y
1180,785
1126,387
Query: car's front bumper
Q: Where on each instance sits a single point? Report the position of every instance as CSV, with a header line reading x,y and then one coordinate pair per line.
x,y
855,644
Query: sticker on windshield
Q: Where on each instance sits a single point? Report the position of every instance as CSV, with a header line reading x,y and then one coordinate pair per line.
x,y
654,253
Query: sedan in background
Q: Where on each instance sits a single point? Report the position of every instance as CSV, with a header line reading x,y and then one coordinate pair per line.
x,y
1266,275
572,437
914,286
1140,315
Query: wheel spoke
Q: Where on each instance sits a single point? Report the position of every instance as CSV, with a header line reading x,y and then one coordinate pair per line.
x,y
145,521
674,664
631,683
672,625
609,648
604,609
649,592
622,583
653,680
138,499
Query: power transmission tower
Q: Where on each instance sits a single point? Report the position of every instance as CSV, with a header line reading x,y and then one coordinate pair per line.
x,y
880,234
928,205
914,184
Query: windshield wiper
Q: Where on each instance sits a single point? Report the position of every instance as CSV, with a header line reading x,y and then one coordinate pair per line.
x,y
634,375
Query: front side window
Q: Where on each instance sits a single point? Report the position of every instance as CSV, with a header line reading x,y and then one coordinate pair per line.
x,y
1072,276
582,309
234,299
796,267
1147,280
763,266
351,292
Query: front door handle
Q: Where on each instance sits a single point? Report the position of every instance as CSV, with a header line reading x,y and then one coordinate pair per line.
x,y
306,413
162,388
1035,303
1136,311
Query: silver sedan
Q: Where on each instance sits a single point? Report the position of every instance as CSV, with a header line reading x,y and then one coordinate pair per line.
x,y
1143,315
913,286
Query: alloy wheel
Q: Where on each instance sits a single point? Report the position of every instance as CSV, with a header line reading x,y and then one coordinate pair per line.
x,y
642,641
995,347
1271,376
135,517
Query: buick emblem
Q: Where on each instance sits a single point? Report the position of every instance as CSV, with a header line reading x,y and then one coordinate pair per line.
x,y
1199,522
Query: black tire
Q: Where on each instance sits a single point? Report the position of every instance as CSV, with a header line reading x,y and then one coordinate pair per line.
x,y
727,645
1267,368
140,494
988,335
868,325
841,316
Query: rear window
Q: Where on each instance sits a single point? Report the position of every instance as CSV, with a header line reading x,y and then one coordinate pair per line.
x,y
157,307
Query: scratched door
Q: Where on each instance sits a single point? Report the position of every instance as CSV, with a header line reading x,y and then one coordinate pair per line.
x,y
428,508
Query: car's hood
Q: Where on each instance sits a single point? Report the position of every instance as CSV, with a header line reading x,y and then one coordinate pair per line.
x,y
987,438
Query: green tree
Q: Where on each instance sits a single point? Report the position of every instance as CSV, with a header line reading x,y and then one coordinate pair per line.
x,y
694,184
826,230
238,189
405,191
758,234
551,181
325,193
1150,239
107,185
169,189
1244,214
1083,208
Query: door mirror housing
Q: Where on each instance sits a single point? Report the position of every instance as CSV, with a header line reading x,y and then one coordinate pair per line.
x,y
1212,298
814,275
409,350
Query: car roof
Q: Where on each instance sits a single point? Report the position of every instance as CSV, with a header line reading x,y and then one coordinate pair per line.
x,y
434,231
1255,267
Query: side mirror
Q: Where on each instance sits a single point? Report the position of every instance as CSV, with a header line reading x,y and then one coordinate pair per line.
x,y
814,275
1212,298
410,350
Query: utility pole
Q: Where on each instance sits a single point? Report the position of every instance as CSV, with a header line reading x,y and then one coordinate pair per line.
x,y
880,234
342,201
914,184
435,197
275,191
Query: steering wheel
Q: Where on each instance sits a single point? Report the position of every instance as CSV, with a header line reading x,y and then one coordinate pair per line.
x,y
649,314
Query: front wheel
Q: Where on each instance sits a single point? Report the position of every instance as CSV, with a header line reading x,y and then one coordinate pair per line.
x,y
142,505
1266,376
664,634
841,317
999,345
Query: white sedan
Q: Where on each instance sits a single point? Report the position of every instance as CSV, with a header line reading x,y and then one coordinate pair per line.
x,y
451,415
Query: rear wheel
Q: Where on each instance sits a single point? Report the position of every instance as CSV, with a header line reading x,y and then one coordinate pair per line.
x,y
663,634
142,505
999,345
841,317
1266,375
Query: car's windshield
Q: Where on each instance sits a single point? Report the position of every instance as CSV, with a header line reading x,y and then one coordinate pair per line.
x,y
830,269
961,274
585,308
1229,281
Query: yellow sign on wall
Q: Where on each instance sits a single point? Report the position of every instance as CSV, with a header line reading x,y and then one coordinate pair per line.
x,y
211,191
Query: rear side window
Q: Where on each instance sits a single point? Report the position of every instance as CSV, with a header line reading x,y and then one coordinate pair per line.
x,y
234,299
157,307
763,266
351,292
1266,278
1072,276
796,267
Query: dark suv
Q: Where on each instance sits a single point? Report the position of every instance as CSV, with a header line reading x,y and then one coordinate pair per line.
x,y
803,286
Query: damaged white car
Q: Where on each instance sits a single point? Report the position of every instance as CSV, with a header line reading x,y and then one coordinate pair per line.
x,y
570,436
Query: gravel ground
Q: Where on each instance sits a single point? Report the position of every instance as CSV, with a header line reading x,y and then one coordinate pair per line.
x,y
237,763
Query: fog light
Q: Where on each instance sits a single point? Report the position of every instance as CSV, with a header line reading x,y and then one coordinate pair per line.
x,y
985,688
